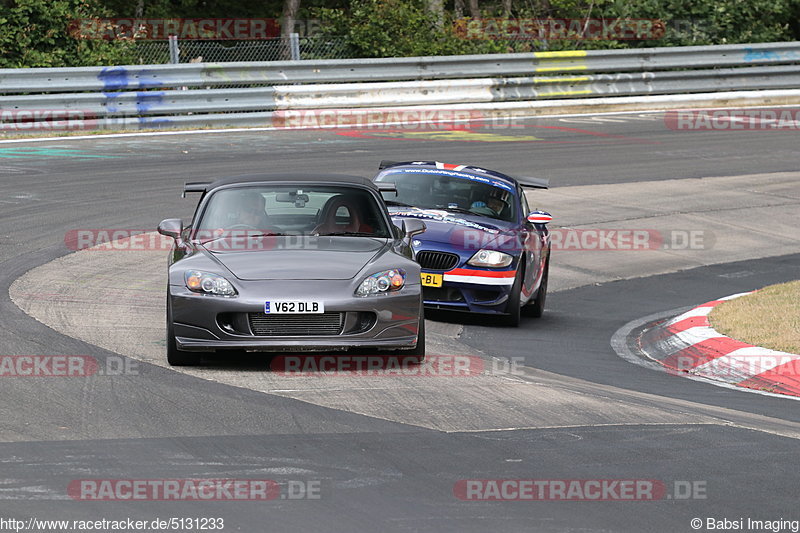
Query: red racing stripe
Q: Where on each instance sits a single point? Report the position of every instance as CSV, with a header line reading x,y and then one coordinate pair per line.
x,y
483,273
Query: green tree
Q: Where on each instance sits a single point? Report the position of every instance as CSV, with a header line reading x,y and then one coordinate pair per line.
x,y
37,33
398,28
699,22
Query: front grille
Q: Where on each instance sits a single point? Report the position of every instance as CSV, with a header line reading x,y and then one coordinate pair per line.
x,y
437,260
264,325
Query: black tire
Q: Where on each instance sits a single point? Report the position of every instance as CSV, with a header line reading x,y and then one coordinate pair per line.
x,y
513,310
535,309
176,357
418,353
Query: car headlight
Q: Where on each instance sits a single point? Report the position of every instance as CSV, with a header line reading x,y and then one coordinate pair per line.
x,y
206,283
490,258
382,282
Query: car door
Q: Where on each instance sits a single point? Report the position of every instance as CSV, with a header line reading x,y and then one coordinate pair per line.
x,y
532,243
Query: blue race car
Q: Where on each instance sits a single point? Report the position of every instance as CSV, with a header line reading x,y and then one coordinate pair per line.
x,y
485,250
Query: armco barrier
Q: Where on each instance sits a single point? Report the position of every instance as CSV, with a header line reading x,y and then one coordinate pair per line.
x,y
156,96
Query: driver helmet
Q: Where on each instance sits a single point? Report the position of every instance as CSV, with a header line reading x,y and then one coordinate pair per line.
x,y
498,199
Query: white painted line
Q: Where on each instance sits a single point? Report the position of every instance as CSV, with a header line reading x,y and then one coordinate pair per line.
x,y
595,120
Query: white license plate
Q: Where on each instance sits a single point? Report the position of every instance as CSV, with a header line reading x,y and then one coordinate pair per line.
x,y
292,307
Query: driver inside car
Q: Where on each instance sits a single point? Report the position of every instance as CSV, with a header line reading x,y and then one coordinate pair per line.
x,y
496,202
237,210
250,211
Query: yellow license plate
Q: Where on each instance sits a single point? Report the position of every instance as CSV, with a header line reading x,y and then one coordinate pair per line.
x,y
431,280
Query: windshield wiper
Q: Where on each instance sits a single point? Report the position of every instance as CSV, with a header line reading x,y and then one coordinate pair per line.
x,y
395,202
349,234
456,210
248,235
468,212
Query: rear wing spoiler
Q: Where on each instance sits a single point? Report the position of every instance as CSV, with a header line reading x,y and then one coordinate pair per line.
x,y
386,163
533,183
195,186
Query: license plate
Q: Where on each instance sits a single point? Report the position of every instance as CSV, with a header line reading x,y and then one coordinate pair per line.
x,y
431,280
292,307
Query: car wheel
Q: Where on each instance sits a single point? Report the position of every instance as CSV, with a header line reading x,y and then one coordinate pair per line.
x,y
536,308
513,310
418,353
176,357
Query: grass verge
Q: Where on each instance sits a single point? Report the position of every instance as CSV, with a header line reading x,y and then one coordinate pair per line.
x,y
770,317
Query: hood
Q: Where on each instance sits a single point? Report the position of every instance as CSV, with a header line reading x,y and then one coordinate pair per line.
x,y
296,257
457,229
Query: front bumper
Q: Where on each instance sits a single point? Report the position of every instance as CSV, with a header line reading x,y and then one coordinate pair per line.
x,y
471,290
204,323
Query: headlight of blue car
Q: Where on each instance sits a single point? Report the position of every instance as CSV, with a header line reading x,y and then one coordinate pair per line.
x,y
490,258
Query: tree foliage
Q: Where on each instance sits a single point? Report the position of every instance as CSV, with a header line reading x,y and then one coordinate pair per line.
x,y
700,22
36,34
380,28
397,28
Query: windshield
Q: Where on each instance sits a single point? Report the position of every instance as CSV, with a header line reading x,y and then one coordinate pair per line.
x,y
292,210
453,191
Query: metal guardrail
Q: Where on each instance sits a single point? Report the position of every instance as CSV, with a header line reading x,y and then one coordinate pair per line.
x,y
133,97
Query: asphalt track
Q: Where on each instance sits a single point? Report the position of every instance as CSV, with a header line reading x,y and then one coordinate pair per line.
x,y
377,474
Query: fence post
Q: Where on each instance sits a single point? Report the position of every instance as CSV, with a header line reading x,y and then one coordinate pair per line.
x,y
174,51
294,46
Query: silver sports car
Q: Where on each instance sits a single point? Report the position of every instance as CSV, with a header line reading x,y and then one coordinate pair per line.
x,y
292,263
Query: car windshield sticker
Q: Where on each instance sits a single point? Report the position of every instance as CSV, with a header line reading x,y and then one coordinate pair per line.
x,y
440,216
461,175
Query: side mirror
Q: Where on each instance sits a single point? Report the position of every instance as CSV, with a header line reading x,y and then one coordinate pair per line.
x,y
171,227
413,226
539,217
